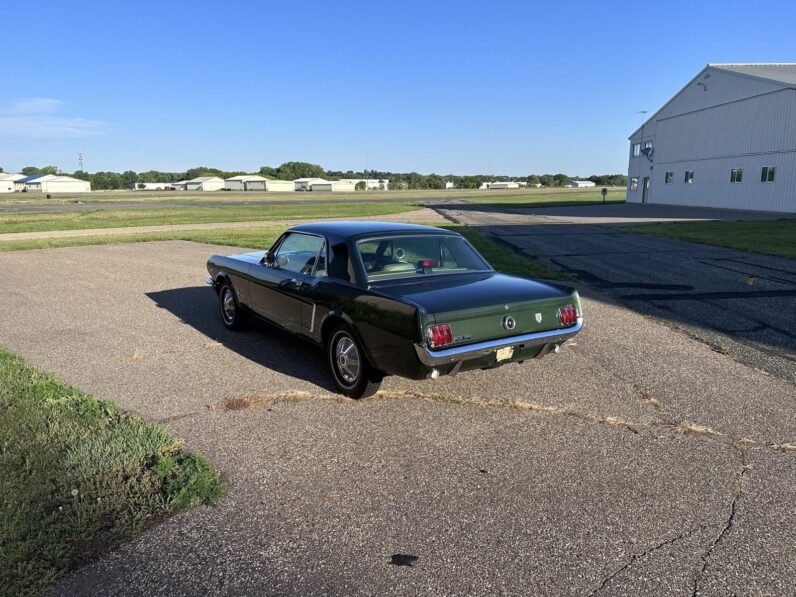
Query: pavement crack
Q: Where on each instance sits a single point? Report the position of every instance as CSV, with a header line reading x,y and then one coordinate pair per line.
x,y
727,527
637,556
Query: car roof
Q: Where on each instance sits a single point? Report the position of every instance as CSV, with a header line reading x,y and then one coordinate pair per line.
x,y
349,229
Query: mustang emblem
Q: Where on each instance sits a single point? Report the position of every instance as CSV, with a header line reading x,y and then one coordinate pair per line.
x,y
538,318
509,323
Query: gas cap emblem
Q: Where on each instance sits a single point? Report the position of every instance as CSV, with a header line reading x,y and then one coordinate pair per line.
x,y
509,323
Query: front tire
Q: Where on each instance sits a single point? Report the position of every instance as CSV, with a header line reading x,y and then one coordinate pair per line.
x,y
231,315
348,365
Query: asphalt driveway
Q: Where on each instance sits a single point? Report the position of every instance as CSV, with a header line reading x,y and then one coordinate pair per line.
x,y
637,461
741,303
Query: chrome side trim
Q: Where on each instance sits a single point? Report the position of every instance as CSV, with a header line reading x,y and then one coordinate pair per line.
x,y
210,282
434,358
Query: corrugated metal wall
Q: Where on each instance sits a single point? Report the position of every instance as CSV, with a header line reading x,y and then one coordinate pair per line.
x,y
746,133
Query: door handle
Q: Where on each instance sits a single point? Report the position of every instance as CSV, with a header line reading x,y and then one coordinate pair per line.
x,y
298,283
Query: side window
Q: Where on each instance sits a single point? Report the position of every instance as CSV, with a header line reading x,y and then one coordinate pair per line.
x,y
298,253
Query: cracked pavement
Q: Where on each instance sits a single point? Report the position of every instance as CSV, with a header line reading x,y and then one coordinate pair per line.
x,y
637,461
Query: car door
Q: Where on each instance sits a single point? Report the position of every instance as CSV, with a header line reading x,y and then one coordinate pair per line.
x,y
276,284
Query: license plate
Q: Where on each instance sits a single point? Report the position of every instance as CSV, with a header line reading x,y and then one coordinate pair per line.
x,y
504,354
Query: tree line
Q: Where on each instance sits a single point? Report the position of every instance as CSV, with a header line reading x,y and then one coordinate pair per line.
x,y
293,170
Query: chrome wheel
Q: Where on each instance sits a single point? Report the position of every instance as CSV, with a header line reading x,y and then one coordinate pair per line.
x,y
228,305
347,359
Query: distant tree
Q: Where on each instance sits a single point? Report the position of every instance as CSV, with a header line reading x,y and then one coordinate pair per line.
x,y
128,178
268,172
361,186
294,170
1,170
141,185
82,175
31,170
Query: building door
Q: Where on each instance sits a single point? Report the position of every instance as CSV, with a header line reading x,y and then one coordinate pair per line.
x,y
645,190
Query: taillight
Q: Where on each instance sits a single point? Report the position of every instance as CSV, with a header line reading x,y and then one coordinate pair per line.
x,y
568,315
439,335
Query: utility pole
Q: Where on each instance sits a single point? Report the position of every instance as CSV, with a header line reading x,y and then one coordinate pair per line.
x,y
80,160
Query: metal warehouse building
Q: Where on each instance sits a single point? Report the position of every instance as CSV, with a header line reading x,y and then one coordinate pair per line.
x,y
238,183
51,183
727,139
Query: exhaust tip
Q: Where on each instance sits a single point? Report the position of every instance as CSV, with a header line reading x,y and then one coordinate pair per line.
x,y
556,348
434,374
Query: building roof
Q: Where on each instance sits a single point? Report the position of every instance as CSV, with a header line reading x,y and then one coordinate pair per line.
x,y
778,72
36,178
246,177
205,179
11,176
310,180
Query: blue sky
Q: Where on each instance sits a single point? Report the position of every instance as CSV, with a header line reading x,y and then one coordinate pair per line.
x,y
447,87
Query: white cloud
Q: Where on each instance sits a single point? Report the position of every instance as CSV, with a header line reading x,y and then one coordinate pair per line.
x,y
37,117
35,105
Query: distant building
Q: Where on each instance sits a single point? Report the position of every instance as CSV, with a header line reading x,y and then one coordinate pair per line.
x,y
579,184
205,183
277,186
449,185
180,185
304,184
332,186
54,183
8,182
371,184
726,139
238,183
502,185
151,186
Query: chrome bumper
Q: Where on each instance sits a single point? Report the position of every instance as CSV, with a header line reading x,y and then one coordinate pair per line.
x,y
435,358
210,282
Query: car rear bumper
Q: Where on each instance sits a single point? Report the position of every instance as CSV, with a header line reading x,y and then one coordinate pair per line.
x,y
436,358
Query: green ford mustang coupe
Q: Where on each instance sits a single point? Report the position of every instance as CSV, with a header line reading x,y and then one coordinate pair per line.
x,y
394,299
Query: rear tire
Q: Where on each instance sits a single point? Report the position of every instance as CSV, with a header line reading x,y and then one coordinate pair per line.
x,y
231,315
351,372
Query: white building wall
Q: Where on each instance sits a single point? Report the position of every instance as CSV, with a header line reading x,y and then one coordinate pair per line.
x,y
6,186
741,132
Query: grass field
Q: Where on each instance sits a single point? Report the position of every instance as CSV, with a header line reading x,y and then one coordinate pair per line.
x,y
500,256
199,214
548,197
564,195
773,237
78,476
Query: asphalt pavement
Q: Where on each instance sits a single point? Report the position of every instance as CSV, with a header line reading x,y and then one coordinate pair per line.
x,y
637,461
739,302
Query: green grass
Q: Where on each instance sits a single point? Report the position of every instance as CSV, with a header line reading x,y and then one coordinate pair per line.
x,y
504,259
200,214
260,237
548,198
773,237
474,195
78,476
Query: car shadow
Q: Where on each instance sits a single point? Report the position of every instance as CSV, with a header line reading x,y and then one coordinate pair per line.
x,y
259,342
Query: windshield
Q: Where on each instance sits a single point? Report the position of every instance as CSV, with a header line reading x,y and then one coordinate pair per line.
x,y
411,256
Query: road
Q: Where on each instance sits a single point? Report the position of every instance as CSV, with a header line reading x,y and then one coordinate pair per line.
x,y
637,461
740,303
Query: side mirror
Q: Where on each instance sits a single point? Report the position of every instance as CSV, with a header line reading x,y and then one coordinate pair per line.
x,y
268,259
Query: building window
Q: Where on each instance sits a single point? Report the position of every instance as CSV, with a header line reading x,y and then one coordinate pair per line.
x,y
634,184
647,144
736,175
689,176
767,174
668,178
636,149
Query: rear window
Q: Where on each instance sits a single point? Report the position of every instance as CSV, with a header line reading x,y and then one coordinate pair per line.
x,y
415,256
